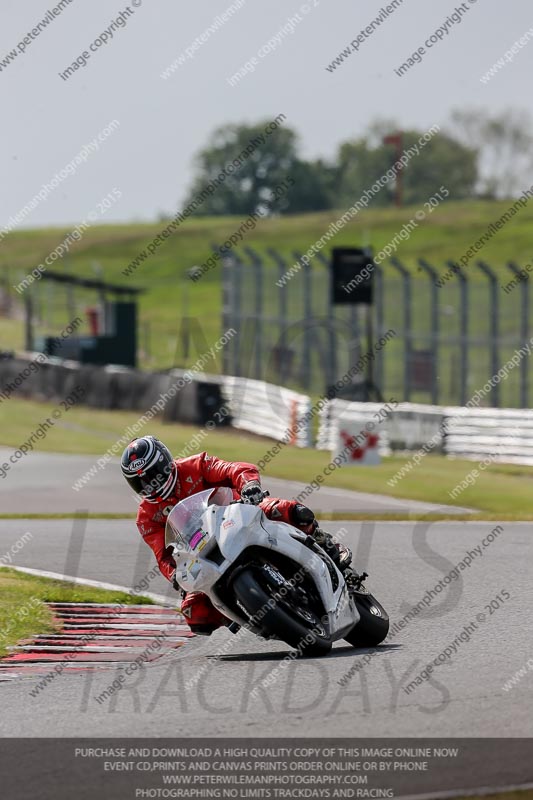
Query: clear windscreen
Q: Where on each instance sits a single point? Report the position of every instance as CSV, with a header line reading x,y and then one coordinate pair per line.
x,y
184,521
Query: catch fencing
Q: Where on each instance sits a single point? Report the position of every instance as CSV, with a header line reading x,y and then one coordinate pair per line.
x,y
454,328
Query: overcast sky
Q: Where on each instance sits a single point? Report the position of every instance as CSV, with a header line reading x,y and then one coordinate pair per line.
x,y
149,157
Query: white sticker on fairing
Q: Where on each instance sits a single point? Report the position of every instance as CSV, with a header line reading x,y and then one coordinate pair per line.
x,y
195,568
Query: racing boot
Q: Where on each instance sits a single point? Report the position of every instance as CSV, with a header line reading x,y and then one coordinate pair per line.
x,y
201,615
339,553
305,520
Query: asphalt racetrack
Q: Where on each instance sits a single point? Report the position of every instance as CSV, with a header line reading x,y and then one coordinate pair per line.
x,y
207,686
43,483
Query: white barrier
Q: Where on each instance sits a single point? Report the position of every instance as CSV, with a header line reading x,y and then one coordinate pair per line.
x,y
268,410
407,427
506,435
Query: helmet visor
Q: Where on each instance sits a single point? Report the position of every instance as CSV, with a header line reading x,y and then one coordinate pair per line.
x,y
153,481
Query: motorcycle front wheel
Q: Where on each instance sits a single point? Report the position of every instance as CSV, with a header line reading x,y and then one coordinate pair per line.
x,y
373,626
297,625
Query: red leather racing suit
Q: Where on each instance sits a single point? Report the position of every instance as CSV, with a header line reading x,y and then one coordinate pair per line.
x,y
195,474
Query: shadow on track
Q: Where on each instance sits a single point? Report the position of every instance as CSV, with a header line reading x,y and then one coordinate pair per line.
x,y
337,652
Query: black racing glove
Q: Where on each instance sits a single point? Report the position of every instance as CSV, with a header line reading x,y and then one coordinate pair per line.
x,y
252,493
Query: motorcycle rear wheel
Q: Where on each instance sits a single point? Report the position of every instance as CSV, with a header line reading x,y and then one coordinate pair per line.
x,y
289,627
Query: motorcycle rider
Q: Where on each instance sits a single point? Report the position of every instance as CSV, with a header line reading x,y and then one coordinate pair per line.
x,y
162,481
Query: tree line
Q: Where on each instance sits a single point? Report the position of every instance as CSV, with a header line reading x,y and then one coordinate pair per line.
x,y
476,155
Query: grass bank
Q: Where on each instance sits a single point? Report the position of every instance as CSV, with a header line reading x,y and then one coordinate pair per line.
x,y
445,234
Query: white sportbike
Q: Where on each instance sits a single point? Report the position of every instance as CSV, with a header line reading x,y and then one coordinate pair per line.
x,y
268,576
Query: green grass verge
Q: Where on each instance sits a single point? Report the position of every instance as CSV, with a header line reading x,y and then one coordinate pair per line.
x,y
502,489
447,234
22,603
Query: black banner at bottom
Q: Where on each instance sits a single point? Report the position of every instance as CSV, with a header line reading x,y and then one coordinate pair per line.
x,y
120,769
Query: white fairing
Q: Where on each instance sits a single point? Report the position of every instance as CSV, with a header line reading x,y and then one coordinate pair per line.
x,y
201,523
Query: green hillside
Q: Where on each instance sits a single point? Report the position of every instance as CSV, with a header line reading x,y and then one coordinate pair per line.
x,y
447,233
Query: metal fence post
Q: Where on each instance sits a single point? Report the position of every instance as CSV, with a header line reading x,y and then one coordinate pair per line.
x,y
28,321
463,331
407,321
356,347
227,310
305,374
379,298
495,329
331,361
435,325
237,314
524,334
282,336
257,265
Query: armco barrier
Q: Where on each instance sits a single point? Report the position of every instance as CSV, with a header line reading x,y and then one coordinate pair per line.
x,y
261,408
197,401
37,379
110,387
133,390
